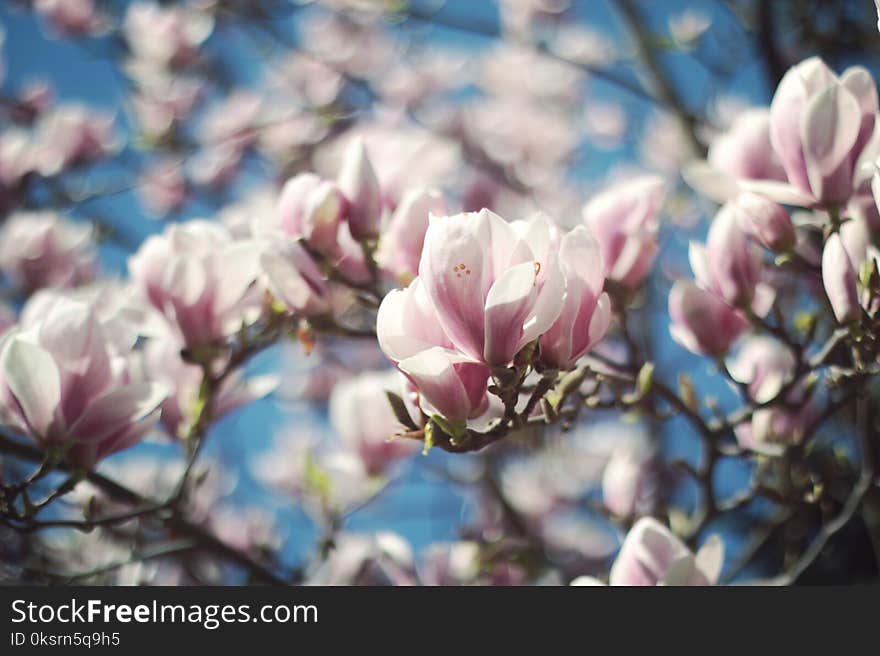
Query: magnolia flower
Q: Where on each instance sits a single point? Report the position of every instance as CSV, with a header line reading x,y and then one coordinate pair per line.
x,y
400,247
410,335
730,264
495,286
819,125
702,322
586,311
199,278
63,383
42,249
623,219
362,417
652,555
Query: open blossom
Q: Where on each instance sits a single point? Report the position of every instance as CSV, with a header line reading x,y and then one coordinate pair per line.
x,y
199,278
165,36
819,125
363,419
586,311
495,286
64,383
42,249
623,219
701,321
652,555
410,335
400,247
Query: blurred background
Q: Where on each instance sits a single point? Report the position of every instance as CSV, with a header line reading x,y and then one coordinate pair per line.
x,y
517,105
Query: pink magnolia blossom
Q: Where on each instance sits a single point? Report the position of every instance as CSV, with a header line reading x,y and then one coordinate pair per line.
x,y
362,417
586,311
701,321
730,263
819,125
623,219
42,249
410,335
400,247
199,278
495,286
64,383
652,555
